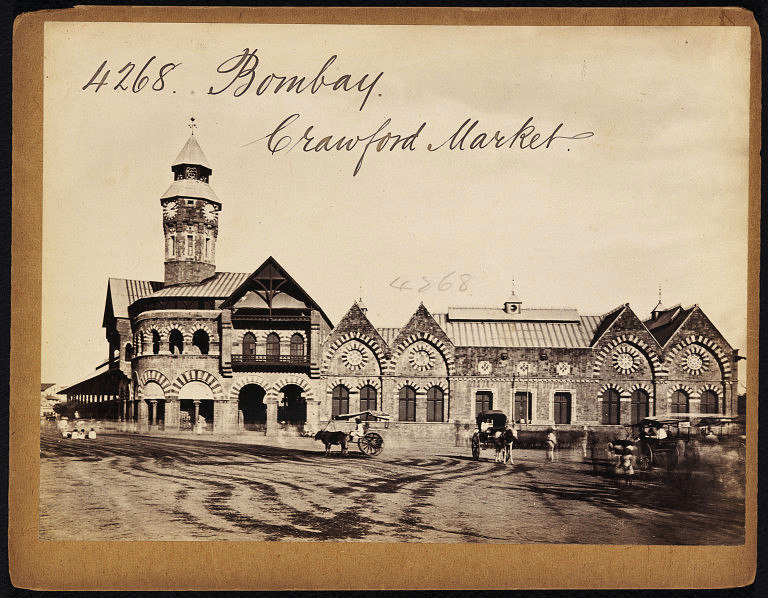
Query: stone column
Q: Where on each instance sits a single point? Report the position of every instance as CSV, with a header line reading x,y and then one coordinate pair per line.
x,y
172,415
143,409
313,417
152,412
272,425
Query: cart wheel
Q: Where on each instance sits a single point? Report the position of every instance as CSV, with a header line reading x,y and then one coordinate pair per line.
x,y
475,448
645,459
371,444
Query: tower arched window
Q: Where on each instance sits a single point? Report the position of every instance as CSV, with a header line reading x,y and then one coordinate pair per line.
x,y
435,407
297,345
249,344
407,404
340,400
128,351
201,341
273,345
367,399
176,342
640,405
679,402
708,402
155,342
611,402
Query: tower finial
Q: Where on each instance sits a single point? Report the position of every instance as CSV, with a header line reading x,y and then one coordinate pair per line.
x,y
192,124
659,292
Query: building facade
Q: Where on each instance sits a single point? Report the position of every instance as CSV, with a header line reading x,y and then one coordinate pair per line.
x,y
253,353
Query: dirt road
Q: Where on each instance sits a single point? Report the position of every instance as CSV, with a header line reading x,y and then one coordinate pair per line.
x,y
139,487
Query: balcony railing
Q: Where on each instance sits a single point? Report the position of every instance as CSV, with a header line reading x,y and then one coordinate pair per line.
x,y
249,362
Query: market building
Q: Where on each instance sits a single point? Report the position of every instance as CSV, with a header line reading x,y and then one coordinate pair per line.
x,y
232,352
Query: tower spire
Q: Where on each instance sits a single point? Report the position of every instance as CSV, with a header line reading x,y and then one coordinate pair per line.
x,y
192,124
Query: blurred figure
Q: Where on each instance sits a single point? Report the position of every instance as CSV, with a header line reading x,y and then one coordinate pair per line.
x,y
551,444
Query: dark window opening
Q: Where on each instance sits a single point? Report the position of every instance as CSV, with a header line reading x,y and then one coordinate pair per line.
x,y
640,405
367,400
435,406
200,340
679,402
340,400
708,402
249,344
155,342
562,405
483,401
176,342
610,404
523,407
273,345
407,404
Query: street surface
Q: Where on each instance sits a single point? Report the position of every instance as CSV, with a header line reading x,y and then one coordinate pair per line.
x,y
152,487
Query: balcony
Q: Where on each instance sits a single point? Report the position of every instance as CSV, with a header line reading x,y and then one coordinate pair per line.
x,y
260,363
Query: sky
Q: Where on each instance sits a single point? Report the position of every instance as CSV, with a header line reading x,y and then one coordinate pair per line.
x,y
655,197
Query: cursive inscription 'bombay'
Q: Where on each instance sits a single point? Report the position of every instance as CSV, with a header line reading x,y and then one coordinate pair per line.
x,y
244,65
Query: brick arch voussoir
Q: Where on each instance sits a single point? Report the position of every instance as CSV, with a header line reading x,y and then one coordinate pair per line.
x,y
445,351
334,382
712,347
296,380
684,387
641,386
623,392
154,376
234,393
205,328
718,390
199,376
657,367
373,382
364,339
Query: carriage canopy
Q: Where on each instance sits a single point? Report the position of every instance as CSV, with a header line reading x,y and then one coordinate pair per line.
x,y
374,414
497,419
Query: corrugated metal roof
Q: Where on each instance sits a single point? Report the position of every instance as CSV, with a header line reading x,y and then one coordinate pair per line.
x,y
125,291
499,315
190,188
191,154
221,285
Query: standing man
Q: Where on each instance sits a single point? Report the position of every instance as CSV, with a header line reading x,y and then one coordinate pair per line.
x,y
551,444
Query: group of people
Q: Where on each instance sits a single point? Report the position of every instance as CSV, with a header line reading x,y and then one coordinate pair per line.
x,y
79,434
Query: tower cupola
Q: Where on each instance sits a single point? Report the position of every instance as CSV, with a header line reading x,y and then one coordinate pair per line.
x,y
190,218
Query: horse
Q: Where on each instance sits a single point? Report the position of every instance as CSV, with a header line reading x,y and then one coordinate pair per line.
x,y
330,438
502,442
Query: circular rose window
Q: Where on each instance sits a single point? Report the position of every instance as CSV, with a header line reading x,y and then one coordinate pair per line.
x,y
695,361
355,357
421,359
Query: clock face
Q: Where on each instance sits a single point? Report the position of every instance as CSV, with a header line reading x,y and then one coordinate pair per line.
x,y
169,209
484,368
210,212
191,172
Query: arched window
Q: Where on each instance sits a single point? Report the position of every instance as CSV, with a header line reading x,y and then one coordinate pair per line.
x,y
435,404
367,399
611,403
640,405
708,402
297,346
155,342
483,401
200,340
407,411
340,400
249,344
176,342
273,345
128,352
679,402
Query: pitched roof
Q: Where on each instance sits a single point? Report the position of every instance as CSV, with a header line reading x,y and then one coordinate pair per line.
x,y
272,272
190,188
221,285
667,323
606,320
191,154
121,292
499,315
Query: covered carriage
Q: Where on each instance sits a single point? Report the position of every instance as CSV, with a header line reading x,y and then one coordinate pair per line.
x,y
491,426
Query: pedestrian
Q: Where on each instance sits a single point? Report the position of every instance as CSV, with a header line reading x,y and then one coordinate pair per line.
x,y
92,434
551,444
584,441
628,464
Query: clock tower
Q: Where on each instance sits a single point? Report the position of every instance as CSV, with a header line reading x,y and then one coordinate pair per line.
x,y
190,218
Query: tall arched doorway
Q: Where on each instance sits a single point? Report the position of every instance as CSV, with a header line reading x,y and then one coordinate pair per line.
x,y
196,406
252,409
292,409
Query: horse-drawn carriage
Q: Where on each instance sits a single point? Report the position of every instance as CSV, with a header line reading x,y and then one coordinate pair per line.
x,y
492,432
369,443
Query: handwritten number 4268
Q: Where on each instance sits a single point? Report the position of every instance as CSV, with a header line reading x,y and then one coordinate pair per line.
x,y
445,283
125,83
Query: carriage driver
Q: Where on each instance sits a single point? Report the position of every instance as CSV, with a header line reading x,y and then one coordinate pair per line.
x,y
359,430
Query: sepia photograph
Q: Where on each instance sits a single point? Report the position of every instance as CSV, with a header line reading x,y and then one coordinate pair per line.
x,y
400,284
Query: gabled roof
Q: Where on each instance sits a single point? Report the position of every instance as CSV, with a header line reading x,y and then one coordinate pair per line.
x,y
270,280
606,321
191,154
219,286
421,321
525,315
121,292
355,321
667,323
